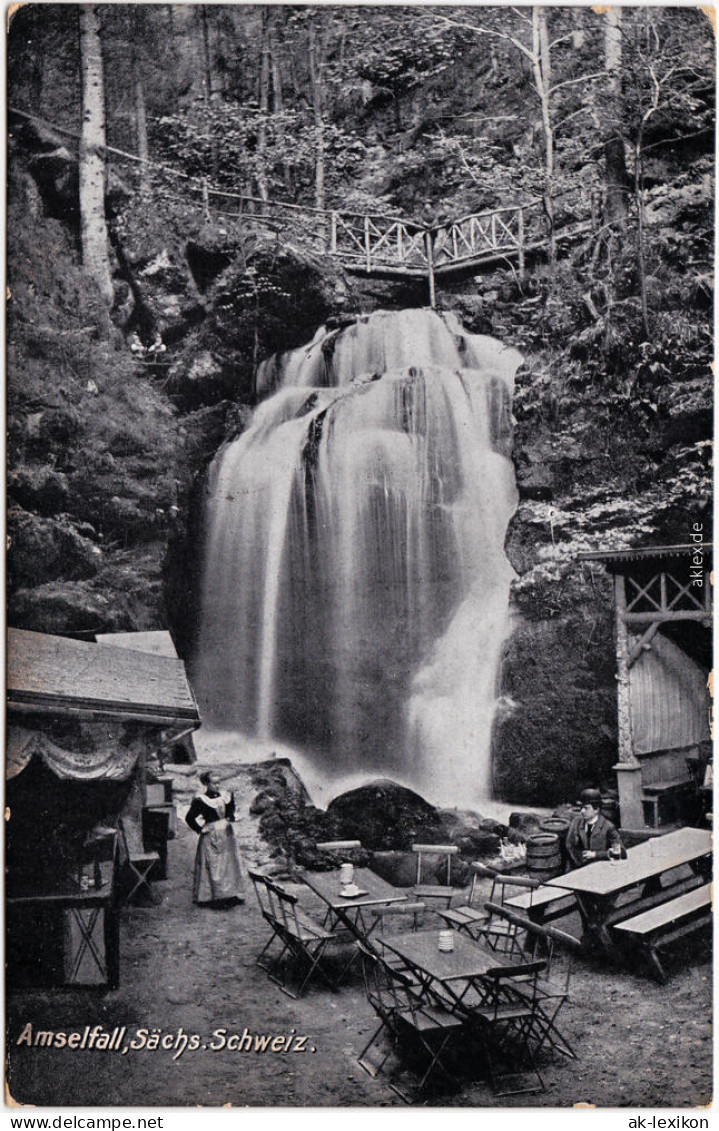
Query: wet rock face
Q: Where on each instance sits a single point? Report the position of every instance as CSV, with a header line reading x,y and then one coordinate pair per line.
x,y
44,549
556,727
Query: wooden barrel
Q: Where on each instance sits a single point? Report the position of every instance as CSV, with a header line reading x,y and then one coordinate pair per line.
x,y
559,826
544,856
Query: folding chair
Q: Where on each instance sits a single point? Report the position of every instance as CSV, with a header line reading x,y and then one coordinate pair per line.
x,y
504,1023
393,911
434,852
405,1016
478,922
302,938
551,988
270,913
499,932
469,917
139,862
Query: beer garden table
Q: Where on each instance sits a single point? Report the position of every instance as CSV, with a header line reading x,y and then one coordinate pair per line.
x,y
453,974
600,887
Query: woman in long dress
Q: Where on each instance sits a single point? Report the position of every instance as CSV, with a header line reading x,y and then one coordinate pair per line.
x,y
218,876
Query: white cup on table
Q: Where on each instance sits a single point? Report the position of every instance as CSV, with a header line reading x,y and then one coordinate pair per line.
x,y
347,875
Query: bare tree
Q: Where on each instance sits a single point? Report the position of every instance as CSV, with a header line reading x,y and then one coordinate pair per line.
x,y
93,222
617,180
528,33
315,63
264,106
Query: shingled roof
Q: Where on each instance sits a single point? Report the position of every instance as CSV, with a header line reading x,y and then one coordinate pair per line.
x,y
58,675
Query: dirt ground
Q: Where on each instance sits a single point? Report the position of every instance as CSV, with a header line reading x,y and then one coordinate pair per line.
x,y
192,970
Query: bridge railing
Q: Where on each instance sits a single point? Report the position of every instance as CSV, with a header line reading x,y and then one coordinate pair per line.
x,y
298,221
374,242
481,235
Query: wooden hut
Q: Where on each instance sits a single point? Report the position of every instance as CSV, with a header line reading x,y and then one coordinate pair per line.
x,y
83,719
662,609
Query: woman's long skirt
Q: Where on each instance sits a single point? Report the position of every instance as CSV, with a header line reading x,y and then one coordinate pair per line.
x,y
218,865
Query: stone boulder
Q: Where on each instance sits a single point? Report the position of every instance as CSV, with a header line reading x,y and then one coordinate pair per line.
x,y
45,549
39,489
385,816
397,868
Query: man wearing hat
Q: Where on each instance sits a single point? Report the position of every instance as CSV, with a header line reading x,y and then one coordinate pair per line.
x,y
590,834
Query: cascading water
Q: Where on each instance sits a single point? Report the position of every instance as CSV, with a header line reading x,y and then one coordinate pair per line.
x,y
355,590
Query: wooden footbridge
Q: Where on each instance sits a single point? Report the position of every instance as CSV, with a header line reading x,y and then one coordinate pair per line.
x,y
369,244
392,246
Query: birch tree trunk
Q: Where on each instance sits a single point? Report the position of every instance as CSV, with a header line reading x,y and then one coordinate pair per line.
x,y
541,66
279,108
143,149
93,223
316,82
264,106
614,159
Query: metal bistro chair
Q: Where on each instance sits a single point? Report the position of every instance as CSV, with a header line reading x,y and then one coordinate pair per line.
x,y
301,937
499,932
551,988
434,852
406,1017
469,917
504,1023
484,924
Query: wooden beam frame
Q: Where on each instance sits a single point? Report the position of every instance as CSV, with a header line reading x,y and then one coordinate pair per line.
x,y
626,745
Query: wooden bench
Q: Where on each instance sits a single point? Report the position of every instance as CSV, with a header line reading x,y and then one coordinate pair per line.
x,y
543,904
661,800
659,926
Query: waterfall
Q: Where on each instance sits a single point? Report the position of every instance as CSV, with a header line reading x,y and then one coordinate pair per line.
x,y
355,588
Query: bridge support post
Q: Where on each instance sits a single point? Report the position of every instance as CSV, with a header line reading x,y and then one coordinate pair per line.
x,y
520,241
430,269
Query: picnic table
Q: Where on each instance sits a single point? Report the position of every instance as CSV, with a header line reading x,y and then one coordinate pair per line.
x,y
654,874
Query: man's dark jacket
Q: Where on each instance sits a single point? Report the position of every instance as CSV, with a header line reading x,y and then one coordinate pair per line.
x,y
601,836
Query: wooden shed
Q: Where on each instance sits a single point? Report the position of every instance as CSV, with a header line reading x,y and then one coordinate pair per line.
x,y
83,722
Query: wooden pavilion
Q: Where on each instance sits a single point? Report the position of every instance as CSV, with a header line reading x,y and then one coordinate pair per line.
x,y
662,609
